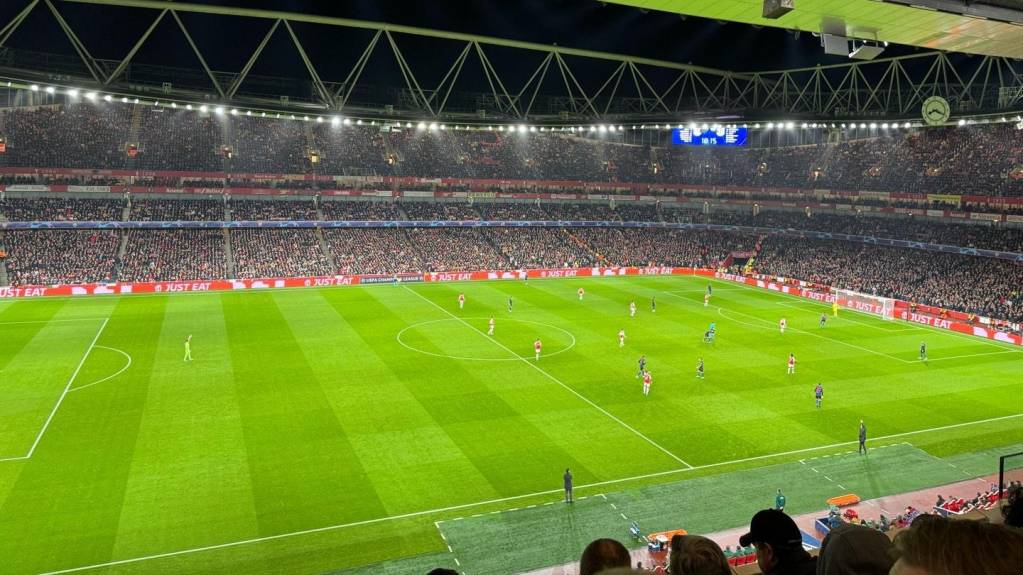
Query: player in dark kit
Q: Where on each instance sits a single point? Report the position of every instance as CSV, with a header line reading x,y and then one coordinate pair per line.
x,y
653,304
818,394
863,438
642,366
923,351
699,368
824,319
510,302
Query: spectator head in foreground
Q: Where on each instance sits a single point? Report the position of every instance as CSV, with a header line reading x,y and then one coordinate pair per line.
x,y
935,545
1012,511
779,544
602,554
696,555
855,550
442,571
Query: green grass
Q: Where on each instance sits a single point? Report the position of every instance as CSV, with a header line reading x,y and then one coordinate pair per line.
x,y
306,438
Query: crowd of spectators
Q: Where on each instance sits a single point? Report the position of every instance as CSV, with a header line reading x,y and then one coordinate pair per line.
x,y
452,249
61,209
658,247
155,210
529,248
268,210
268,253
173,255
979,160
343,210
372,250
983,286
972,235
60,257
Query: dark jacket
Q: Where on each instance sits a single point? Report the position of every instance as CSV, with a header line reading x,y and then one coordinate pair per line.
x,y
799,563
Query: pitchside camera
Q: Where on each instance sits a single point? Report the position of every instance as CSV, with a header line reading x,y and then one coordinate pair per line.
x,y
775,9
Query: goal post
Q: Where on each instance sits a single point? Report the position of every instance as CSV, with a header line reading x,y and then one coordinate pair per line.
x,y
871,304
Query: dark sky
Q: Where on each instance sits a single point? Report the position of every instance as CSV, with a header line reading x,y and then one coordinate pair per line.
x,y
109,33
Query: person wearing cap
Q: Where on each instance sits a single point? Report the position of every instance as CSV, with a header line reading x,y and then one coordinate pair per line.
x,y
779,544
855,550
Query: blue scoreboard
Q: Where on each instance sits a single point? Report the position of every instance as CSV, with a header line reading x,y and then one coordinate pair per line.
x,y
716,136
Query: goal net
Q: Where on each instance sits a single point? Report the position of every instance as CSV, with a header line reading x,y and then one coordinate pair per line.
x,y
872,304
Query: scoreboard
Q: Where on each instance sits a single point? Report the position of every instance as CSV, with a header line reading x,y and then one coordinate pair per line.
x,y
716,136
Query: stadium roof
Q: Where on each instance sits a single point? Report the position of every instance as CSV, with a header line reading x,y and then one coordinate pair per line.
x,y
991,27
485,60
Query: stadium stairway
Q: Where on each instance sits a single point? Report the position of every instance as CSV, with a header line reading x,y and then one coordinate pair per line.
x,y
136,123
584,246
229,253
123,247
748,268
4,280
324,247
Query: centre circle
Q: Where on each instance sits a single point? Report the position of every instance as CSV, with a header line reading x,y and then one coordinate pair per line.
x,y
470,324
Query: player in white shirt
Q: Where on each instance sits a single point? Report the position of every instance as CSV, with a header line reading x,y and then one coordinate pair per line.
x,y
536,347
188,348
781,325
792,364
706,300
461,300
621,338
647,379
490,327
581,293
632,309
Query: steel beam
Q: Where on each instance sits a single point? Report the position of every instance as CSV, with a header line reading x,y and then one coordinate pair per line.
x,y
198,53
11,26
233,88
391,28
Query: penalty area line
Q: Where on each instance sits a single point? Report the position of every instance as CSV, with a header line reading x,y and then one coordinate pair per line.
x,y
554,379
502,500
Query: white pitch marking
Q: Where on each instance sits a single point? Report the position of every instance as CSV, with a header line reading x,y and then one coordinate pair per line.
x,y
109,377
447,356
493,501
552,378
67,387
972,355
58,320
915,326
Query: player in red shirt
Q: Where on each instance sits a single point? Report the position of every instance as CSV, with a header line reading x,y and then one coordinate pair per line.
x,y
537,346
781,325
706,299
461,300
646,382
581,293
621,338
792,364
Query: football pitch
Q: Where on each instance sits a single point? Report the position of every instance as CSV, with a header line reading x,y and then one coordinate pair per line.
x,y
324,429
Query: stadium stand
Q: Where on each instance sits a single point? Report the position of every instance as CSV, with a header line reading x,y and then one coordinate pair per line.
x,y
278,253
174,255
975,160
53,257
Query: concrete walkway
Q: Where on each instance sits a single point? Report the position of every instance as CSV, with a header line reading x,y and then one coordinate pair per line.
x,y
889,506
